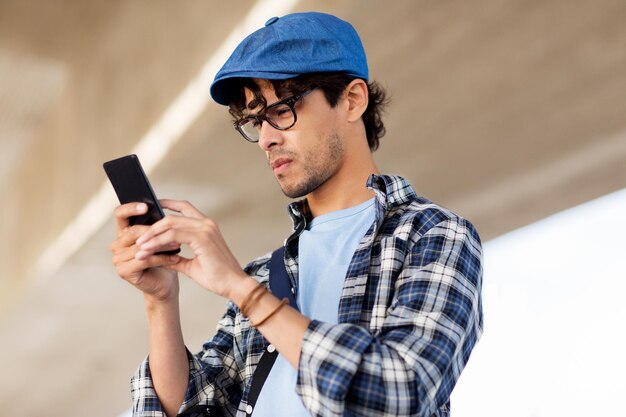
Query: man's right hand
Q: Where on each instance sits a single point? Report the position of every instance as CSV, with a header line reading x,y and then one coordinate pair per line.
x,y
145,274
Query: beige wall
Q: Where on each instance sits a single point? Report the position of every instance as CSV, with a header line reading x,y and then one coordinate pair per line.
x,y
504,111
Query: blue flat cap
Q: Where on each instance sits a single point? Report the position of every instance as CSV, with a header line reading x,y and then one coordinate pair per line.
x,y
295,44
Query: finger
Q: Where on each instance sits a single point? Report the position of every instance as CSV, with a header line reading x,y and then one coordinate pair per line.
x,y
123,254
169,247
132,267
124,251
161,260
183,207
123,257
171,239
182,265
124,211
168,223
128,237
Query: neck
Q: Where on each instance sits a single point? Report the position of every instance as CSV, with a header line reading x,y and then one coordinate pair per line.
x,y
343,190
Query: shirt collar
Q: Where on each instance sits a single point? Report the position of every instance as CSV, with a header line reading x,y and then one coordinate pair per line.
x,y
391,191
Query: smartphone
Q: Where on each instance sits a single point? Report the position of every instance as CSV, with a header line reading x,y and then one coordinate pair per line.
x,y
131,185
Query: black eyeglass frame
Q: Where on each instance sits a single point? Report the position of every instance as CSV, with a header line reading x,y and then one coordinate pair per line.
x,y
259,118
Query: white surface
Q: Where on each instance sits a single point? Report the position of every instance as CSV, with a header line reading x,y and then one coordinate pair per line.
x,y
554,338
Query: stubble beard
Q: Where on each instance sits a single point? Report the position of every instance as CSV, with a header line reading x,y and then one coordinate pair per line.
x,y
318,168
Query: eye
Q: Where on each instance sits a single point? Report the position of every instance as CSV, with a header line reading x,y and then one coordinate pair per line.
x,y
250,123
281,112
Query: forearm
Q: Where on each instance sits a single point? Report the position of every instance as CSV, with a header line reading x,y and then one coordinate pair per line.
x,y
169,365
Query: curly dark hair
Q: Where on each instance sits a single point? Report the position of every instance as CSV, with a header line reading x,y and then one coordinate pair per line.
x,y
331,83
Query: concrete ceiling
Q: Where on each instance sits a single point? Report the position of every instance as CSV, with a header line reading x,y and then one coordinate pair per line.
x,y
504,111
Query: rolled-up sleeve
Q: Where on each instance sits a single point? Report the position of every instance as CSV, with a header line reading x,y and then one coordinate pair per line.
x,y
214,376
410,366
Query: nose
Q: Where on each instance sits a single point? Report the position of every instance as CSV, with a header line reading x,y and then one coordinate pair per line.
x,y
269,136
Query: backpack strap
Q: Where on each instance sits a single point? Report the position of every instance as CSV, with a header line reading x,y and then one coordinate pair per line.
x,y
280,285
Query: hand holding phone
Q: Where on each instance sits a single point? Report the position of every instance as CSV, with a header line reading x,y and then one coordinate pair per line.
x,y
131,185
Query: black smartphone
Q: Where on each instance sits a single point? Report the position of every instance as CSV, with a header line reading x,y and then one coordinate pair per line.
x,y
131,185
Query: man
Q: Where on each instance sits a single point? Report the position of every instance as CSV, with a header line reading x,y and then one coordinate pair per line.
x,y
387,283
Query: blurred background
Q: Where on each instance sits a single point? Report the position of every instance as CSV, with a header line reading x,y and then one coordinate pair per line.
x,y
505,111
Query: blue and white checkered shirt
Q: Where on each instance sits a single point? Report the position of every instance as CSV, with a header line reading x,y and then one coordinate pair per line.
x,y
410,314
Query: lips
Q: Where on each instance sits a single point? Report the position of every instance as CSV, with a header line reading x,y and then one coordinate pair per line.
x,y
279,165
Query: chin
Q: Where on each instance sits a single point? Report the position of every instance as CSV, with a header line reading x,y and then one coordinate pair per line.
x,y
293,193
292,190
302,189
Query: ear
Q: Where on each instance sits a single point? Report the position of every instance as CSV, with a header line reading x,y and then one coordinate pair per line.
x,y
356,98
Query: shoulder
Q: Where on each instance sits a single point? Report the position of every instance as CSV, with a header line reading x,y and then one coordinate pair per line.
x,y
406,214
428,234
420,216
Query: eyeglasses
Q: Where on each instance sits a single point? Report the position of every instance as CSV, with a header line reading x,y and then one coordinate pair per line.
x,y
280,115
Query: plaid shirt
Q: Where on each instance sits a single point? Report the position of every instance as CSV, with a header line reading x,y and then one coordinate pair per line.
x,y
410,314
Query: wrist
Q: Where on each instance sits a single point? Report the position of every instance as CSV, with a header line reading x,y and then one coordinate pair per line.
x,y
241,288
157,302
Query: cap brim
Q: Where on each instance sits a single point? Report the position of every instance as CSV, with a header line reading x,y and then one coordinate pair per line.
x,y
221,90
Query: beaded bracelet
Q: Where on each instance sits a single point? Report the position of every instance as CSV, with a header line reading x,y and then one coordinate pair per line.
x,y
271,313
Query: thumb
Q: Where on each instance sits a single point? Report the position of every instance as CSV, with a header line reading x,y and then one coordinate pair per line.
x,y
181,264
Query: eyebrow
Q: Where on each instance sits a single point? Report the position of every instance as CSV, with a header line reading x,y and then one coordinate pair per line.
x,y
260,101
254,103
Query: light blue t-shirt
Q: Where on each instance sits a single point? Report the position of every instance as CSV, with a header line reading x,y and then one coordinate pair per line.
x,y
325,250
